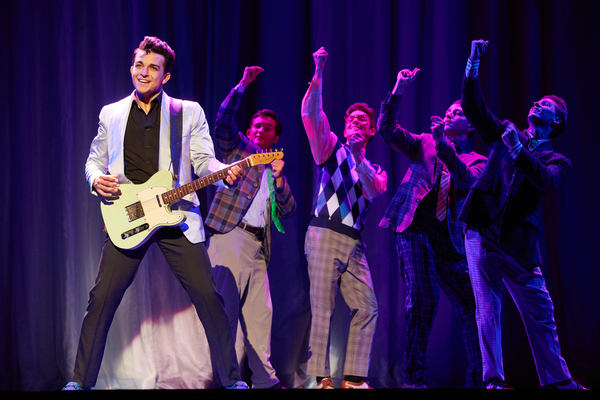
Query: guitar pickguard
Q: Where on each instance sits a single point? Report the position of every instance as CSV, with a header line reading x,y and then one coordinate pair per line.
x,y
139,211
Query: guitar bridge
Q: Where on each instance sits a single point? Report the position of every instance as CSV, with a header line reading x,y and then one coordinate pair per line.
x,y
134,231
134,211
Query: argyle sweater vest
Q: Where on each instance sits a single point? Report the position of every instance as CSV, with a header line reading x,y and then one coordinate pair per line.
x,y
339,203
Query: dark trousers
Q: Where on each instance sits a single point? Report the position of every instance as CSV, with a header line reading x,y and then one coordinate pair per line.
x,y
429,262
191,265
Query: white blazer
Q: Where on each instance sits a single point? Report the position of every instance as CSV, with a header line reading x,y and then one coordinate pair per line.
x,y
197,152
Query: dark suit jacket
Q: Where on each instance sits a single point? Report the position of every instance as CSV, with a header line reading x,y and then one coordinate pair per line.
x,y
424,171
508,192
231,204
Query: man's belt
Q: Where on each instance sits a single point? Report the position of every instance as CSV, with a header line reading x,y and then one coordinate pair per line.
x,y
258,232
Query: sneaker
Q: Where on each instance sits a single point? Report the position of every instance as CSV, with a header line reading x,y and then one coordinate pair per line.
x,y
572,385
326,383
497,384
418,385
73,386
238,385
352,385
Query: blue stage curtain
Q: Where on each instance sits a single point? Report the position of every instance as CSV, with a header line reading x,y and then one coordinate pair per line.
x,y
64,59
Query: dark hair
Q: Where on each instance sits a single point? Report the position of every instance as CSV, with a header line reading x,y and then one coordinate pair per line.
x,y
270,114
152,44
561,112
470,130
362,107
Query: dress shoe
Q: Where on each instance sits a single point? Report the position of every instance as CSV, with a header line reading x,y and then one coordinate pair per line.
x,y
326,383
352,385
497,384
238,385
73,386
573,384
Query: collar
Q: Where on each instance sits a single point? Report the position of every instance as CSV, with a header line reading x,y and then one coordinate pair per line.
x,y
156,100
460,146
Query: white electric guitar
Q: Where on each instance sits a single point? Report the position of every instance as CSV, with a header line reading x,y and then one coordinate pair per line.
x,y
141,209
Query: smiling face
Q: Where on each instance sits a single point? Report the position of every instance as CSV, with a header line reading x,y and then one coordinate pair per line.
x,y
358,123
543,113
455,122
148,74
263,132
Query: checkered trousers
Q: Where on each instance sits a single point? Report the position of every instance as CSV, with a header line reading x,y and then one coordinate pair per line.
x,y
334,257
429,261
339,196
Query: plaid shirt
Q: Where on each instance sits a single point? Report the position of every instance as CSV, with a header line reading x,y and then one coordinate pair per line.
x,y
230,205
509,191
424,172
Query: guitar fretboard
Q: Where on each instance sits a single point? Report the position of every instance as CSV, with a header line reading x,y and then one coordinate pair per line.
x,y
181,191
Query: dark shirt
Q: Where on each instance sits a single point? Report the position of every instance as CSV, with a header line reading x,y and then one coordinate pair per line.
x,y
428,204
142,140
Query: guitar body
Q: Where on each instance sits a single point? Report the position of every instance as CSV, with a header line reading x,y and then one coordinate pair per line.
x,y
140,210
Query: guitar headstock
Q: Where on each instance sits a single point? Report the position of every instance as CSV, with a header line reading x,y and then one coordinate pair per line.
x,y
266,157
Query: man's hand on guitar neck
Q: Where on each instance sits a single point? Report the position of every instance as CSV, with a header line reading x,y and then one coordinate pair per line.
x,y
235,174
107,186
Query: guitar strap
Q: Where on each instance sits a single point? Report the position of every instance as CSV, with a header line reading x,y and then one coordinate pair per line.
x,y
176,119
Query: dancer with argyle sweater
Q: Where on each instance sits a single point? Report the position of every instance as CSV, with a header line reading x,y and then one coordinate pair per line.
x,y
347,183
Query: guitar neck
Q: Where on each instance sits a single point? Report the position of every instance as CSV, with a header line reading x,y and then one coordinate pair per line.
x,y
181,191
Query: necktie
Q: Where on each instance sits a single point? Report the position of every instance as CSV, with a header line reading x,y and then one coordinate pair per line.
x,y
532,144
273,201
442,201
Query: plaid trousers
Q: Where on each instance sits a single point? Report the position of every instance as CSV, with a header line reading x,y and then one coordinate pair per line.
x,y
334,257
429,261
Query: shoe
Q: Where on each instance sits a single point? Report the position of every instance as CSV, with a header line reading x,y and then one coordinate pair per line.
x,y
352,385
278,385
497,384
238,385
326,383
572,385
418,385
74,386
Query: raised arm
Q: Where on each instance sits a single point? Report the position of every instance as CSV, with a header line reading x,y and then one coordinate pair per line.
x,y
403,79
394,135
485,123
227,134
322,141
